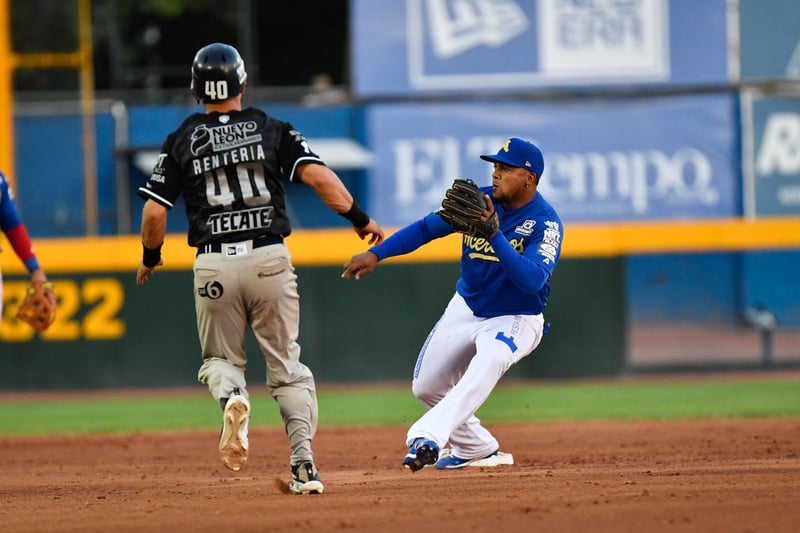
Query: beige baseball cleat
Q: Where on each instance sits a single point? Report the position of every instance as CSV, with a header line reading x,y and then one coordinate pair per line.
x,y
233,440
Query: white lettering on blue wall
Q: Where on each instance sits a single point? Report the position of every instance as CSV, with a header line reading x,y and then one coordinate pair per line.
x,y
779,152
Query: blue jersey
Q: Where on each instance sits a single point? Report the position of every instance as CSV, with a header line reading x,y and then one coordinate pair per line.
x,y
9,217
508,274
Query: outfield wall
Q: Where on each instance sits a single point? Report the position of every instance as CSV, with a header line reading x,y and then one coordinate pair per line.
x,y
655,208
111,333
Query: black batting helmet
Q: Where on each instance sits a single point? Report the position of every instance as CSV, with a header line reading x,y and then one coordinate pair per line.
x,y
217,73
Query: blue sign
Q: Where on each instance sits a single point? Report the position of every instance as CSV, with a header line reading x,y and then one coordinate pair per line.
x,y
402,47
658,158
776,164
770,39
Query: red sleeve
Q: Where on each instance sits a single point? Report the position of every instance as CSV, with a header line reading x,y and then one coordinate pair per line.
x,y
21,242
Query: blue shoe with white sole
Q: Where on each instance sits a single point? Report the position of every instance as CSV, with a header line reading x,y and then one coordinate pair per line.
x,y
448,461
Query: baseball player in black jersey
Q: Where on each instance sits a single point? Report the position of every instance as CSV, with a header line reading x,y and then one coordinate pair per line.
x,y
229,164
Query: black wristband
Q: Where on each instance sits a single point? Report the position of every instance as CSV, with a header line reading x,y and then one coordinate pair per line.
x,y
151,256
356,216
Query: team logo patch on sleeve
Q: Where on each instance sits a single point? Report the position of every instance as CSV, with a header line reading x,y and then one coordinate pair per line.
x,y
551,243
526,228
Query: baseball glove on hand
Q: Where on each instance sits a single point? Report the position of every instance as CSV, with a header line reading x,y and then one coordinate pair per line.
x,y
39,306
463,208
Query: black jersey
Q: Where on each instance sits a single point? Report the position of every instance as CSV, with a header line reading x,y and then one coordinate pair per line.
x,y
230,168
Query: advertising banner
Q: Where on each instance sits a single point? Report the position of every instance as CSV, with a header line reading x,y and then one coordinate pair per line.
x,y
770,39
404,47
605,160
776,164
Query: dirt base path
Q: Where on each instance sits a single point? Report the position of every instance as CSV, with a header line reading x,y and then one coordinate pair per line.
x,y
739,475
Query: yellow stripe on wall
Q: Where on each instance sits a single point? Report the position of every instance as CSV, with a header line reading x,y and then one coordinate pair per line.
x,y
335,246
119,254
598,240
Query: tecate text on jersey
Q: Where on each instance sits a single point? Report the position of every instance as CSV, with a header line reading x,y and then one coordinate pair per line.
x,y
258,218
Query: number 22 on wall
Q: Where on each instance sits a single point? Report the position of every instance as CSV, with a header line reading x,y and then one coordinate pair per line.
x,y
88,310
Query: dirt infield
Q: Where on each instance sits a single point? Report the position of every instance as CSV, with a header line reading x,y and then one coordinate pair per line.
x,y
726,475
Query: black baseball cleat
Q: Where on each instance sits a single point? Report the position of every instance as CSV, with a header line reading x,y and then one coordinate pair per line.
x,y
421,453
305,479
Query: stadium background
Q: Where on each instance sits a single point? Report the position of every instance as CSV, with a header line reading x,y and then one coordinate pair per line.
x,y
677,178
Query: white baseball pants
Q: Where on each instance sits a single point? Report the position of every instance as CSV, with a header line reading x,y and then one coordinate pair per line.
x,y
459,365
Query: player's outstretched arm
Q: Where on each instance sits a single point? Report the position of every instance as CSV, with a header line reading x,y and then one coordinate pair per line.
x,y
371,230
335,195
404,241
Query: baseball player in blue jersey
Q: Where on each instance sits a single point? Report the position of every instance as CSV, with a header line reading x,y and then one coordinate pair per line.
x,y
17,234
493,320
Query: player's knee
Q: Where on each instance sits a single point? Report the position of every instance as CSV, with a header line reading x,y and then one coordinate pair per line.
x,y
221,377
418,390
426,391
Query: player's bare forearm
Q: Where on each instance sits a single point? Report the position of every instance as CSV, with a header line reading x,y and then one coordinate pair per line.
x,y
335,195
360,265
154,224
327,185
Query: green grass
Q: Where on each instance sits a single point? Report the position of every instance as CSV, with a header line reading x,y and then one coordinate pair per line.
x,y
31,414
647,401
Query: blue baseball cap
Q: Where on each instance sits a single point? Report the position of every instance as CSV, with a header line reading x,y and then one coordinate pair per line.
x,y
519,153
